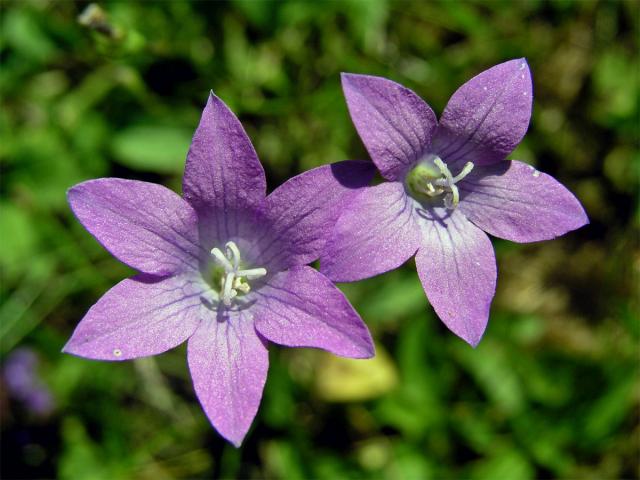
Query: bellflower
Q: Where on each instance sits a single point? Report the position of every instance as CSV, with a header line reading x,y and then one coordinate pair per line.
x,y
222,267
446,184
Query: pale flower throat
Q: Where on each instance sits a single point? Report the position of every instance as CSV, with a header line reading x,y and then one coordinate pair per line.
x,y
432,178
234,279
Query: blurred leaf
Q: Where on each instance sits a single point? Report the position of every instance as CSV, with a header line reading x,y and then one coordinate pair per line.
x,y
341,379
390,297
411,464
416,406
156,148
81,457
44,167
492,370
374,454
616,85
282,462
278,407
606,414
622,168
504,464
22,32
19,239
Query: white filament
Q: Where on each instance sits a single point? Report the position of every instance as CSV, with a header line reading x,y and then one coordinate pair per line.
x,y
234,279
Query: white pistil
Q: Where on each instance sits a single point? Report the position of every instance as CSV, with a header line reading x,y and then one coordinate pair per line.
x,y
234,279
445,184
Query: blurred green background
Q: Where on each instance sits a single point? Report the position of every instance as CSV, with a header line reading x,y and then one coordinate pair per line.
x,y
553,390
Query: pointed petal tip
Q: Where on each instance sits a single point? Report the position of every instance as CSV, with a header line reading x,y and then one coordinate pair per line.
x,y
346,76
72,189
363,351
470,336
518,63
76,189
235,440
582,219
74,350
349,80
577,219
368,352
516,202
235,436
213,99
70,349
358,81
473,341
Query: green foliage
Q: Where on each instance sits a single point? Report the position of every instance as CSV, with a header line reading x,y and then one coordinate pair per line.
x,y
551,392
151,148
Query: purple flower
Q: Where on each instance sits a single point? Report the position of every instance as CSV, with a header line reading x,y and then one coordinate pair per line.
x,y
224,268
21,376
446,183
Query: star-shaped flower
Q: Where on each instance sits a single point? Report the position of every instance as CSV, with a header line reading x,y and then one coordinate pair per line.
x,y
224,268
446,183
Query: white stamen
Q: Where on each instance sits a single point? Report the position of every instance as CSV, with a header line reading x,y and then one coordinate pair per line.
x,y
117,352
216,252
252,273
452,198
227,290
234,279
466,170
233,253
443,169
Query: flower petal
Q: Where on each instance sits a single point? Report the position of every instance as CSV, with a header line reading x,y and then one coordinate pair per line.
x,y
457,268
486,117
140,316
300,307
394,123
304,209
223,171
228,363
513,200
146,226
377,233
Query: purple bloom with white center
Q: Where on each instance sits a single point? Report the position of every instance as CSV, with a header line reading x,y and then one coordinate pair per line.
x,y
224,268
447,183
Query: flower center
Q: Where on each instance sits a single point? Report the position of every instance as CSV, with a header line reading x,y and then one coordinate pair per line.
x,y
234,280
432,178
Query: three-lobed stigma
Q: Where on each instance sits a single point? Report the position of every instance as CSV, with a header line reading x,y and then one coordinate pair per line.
x,y
431,178
234,279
